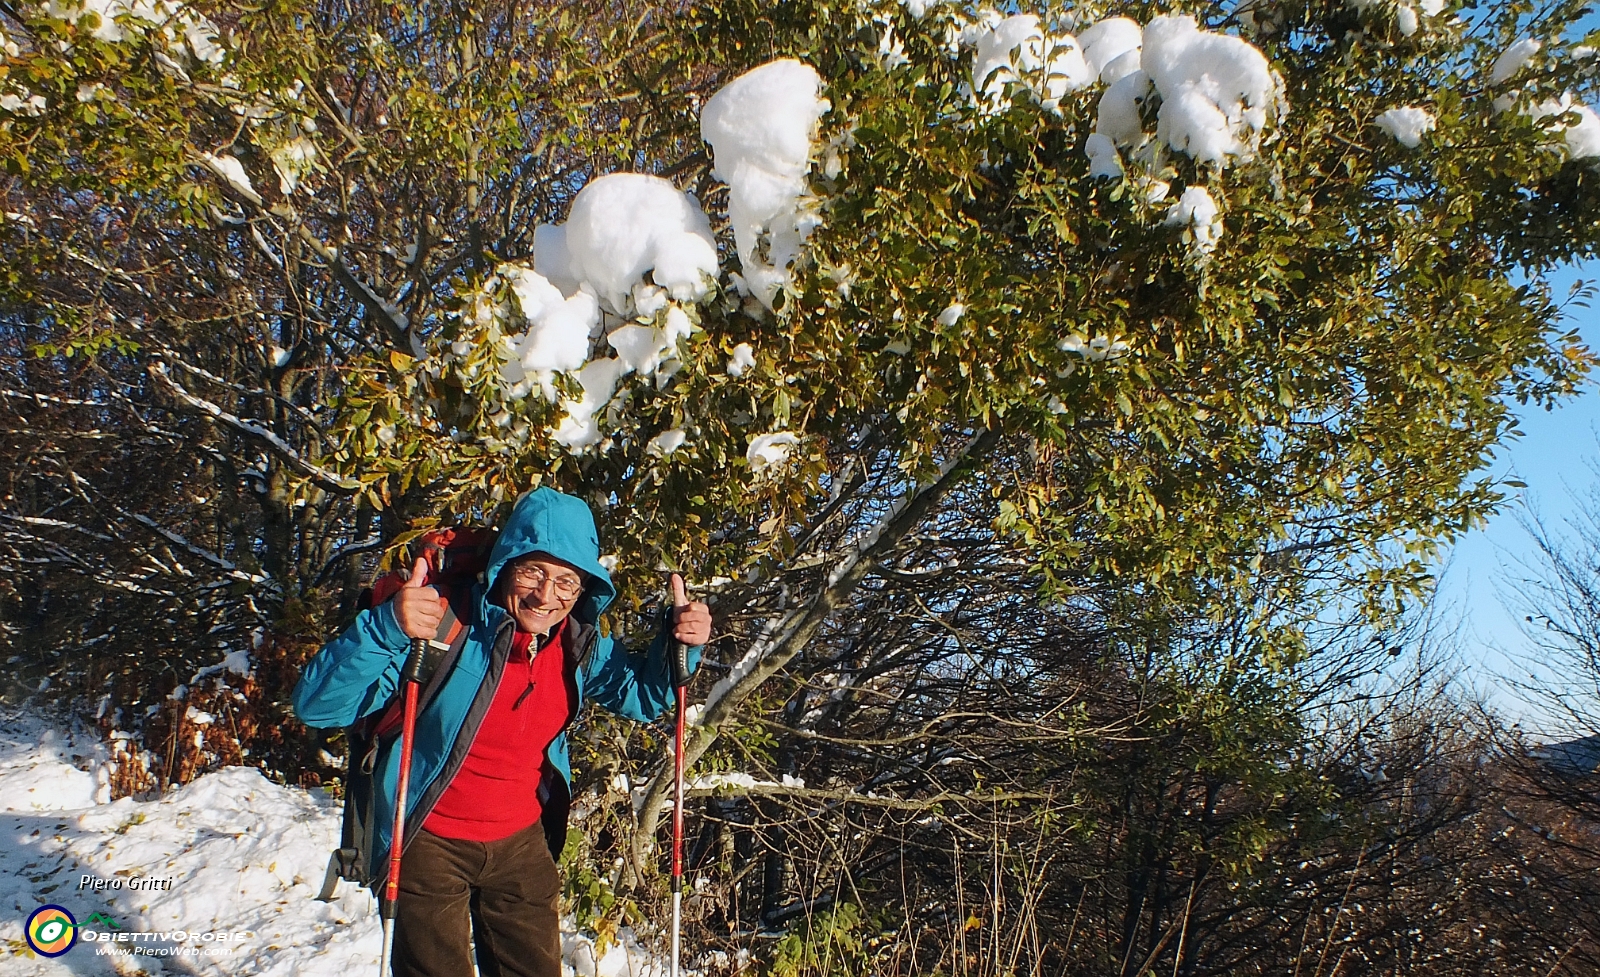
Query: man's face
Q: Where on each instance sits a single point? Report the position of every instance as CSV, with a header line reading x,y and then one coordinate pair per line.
x,y
538,591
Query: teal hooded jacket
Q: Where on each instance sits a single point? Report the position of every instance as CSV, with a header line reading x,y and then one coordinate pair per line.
x,y
358,673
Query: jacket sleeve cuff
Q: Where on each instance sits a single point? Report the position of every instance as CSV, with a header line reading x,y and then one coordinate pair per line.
x,y
660,650
387,629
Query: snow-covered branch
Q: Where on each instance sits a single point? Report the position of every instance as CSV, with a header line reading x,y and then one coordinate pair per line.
x,y
387,313
348,550
323,477
227,566
55,524
767,788
50,399
847,569
239,388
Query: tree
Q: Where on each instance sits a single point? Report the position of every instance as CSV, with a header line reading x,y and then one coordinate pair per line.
x,y
203,338
1554,793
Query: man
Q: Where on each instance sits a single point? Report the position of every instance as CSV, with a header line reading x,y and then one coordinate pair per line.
x,y
490,778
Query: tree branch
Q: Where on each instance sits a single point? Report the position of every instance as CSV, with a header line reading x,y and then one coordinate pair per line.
x,y
785,636
324,478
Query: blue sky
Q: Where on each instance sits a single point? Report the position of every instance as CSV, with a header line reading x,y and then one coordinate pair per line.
x,y
1556,457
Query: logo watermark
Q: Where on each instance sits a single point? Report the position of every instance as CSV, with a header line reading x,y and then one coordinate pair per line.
x,y
51,931
101,919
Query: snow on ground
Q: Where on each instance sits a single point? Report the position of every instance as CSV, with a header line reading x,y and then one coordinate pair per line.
x,y
221,873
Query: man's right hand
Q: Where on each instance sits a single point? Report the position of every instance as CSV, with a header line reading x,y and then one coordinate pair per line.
x,y
418,609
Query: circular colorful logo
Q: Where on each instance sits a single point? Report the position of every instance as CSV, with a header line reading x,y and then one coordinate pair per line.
x,y
51,931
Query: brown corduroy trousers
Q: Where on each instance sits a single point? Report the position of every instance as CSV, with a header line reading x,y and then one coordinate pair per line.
x,y
498,898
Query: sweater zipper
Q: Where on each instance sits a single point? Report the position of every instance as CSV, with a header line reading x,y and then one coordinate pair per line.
x,y
533,654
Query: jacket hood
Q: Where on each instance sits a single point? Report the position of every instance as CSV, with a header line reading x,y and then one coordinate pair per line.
x,y
547,521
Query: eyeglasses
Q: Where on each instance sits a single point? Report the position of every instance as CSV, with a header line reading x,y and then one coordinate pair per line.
x,y
533,577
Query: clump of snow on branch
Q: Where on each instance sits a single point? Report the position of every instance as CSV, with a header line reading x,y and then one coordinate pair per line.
x,y
762,128
1104,161
21,101
1581,138
558,329
1407,16
743,358
1017,50
623,226
634,247
114,21
1118,123
1112,48
770,450
1406,124
667,442
1577,124
1217,92
737,781
1511,60
1096,350
1260,18
232,172
293,161
580,430
1197,211
551,259
650,349
891,52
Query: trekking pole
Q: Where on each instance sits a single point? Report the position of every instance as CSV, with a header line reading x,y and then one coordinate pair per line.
x,y
680,681
411,676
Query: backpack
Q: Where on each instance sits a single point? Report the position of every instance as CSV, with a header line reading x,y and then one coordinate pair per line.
x,y
457,559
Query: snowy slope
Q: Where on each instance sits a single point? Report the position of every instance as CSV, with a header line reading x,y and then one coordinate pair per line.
x,y
243,856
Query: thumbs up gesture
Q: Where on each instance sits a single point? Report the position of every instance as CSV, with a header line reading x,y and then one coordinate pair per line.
x,y
691,620
418,609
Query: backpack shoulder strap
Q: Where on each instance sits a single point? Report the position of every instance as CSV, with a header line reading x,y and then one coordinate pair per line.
x,y
443,653
439,657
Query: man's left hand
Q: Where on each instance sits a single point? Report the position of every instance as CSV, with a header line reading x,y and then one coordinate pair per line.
x,y
691,620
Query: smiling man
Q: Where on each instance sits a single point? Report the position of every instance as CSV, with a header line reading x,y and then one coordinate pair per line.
x,y
491,780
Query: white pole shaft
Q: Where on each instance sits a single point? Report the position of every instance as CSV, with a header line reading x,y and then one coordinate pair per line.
x,y
388,943
677,924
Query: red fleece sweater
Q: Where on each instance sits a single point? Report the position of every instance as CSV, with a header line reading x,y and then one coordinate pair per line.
x,y
495,794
